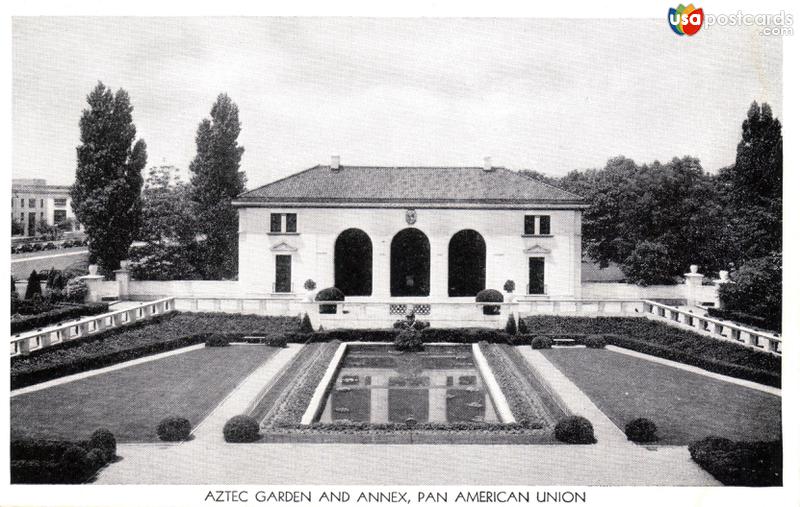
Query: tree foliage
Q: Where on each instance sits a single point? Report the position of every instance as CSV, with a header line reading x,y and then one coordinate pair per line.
x,y
216,181
108,181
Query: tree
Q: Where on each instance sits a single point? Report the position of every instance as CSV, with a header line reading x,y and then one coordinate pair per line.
x,y
168,228
108,181
17,229
48,232
34,285
756,289
216,181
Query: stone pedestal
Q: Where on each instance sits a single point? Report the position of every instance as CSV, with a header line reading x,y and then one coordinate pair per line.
x,y
723,279
123,277
93,283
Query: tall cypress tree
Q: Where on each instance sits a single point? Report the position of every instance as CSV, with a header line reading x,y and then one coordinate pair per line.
x,y
106,196
216,181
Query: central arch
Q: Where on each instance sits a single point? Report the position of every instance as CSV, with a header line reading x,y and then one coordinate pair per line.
x,y
410,263
466,266
352,260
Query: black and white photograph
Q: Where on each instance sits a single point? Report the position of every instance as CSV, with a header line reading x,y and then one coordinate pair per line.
x,y
496,258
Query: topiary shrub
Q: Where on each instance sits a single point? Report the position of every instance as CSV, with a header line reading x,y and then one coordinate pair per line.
x,y
408,340
740,463
641,430
329,294
310,284
575,430
75,467
104,440
241,429
34,285
490,296
305,325
217,340
511,325
509,286
522,327
174,429
595,341
541,342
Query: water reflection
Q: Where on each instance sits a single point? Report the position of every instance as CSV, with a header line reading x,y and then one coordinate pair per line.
x,y
377,384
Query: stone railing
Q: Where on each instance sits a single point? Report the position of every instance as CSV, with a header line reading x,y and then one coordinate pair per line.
x,y
720,329
30,341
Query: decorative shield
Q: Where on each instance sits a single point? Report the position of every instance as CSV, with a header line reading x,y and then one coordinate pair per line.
x,y
411,216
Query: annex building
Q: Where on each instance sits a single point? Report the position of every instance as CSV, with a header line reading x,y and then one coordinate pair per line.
x,y
410,233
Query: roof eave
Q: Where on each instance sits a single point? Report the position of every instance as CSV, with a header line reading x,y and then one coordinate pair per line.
x,y
263,202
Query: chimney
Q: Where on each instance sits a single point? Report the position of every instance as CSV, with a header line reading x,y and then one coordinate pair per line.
x,y
487,164
335,163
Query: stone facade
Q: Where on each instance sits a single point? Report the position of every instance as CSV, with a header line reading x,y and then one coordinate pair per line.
x,y
304,235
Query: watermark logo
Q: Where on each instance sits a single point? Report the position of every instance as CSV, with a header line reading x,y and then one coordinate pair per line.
x,y
685,20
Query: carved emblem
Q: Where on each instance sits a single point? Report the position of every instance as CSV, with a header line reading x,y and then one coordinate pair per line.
x,y
411,216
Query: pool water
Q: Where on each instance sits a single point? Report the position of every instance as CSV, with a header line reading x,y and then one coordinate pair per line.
x,y
377,384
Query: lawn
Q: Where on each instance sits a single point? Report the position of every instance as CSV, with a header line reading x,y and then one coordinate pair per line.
x,y
131,401
685,406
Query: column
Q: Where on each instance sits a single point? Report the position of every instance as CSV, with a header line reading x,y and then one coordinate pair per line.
x,y
694,281
381,268
93,283
123,277
439,267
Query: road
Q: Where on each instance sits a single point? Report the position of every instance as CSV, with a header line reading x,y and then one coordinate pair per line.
x,y
23,264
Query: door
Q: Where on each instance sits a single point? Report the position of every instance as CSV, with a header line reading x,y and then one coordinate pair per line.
x,y
536,275
283,273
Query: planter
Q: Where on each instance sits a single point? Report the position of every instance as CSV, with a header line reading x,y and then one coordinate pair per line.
x,y
93,269
724,276
693,268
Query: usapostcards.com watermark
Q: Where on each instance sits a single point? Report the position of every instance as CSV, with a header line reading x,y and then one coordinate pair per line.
x,y
768,24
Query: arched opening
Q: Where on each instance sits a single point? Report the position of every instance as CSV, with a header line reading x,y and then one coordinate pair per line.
x,y
352,259
466,255
411,263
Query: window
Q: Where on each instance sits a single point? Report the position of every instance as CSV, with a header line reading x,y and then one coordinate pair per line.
x,y
536,275
283,222
537,225
60,201
22,202
31,203
41,203
275,222
59,216
283,273
291,222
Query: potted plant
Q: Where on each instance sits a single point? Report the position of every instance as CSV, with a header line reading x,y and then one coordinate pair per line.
x,y
309,286
329,294
490,296
509,287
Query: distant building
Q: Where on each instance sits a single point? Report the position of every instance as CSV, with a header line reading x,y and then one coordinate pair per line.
x,y
33,201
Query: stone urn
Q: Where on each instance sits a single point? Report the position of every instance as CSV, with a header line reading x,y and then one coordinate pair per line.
x,y
124,264
693,268
724,276
93,269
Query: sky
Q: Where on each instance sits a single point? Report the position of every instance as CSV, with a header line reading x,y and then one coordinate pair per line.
x,y
545,94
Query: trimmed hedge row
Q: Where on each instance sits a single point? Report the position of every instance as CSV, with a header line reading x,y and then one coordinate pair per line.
x,y
158,334
740,463
28,322
429,335
745,318
36,461
660,340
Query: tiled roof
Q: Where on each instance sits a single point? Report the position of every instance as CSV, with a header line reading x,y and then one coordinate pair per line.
x,y
360,184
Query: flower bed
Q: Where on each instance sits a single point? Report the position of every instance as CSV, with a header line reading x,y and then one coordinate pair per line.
x,y
660,340
143,338
59,314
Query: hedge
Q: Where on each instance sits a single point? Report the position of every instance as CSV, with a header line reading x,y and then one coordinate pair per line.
x,y
142,338
38,461
660,340
745,318
55,316
740,463
429,335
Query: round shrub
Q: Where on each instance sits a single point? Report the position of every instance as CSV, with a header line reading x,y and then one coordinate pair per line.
x,y
96,459
641,430
74,465
575,430
174,429
541,342
241,429
490,296
509,286
408,340
595,341
329,294
310,284
104,440
217,340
